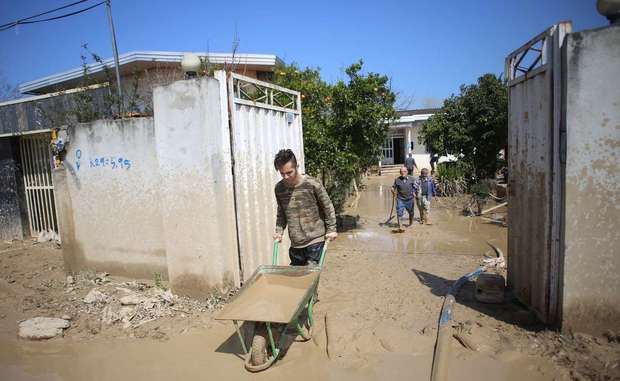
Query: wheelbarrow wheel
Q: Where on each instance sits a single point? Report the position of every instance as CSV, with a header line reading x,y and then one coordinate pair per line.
x,y
259,359
258,352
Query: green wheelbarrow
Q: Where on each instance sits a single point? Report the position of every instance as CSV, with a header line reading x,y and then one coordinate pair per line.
x,y
276,299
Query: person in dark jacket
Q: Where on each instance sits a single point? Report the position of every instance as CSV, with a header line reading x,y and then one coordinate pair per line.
x,y
410,164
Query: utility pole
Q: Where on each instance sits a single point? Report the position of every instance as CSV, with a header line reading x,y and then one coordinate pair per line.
x,y
108,5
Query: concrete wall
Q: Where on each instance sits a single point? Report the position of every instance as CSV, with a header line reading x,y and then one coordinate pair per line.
x,y
13,219
193,145
591,296
108,199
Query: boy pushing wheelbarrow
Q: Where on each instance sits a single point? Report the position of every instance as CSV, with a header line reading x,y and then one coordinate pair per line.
x,y
276,298
305,207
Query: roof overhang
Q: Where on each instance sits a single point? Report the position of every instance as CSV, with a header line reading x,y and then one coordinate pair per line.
x,y
129,61
413,118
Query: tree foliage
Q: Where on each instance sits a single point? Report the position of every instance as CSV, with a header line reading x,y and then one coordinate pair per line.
x,y
472,126
7,90
345,123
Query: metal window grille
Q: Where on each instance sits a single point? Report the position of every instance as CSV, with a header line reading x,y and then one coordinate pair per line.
x,y
36,160
252,92
388,148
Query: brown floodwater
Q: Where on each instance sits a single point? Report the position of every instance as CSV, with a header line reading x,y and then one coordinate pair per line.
x,y
372,298
455,234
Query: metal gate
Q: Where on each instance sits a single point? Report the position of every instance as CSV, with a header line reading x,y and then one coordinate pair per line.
x,y
264,119
36,160
534,91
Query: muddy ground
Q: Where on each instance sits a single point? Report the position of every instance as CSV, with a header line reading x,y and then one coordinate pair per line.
x,y
380,296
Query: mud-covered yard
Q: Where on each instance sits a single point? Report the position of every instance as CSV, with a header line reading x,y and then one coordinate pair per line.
x,y
380,296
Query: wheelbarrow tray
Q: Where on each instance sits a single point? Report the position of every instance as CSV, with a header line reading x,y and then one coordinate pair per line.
x,y
275,294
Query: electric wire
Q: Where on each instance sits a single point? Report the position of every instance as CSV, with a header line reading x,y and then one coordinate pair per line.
x,y
26,20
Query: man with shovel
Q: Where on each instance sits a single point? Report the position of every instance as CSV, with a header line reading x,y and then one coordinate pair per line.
x,y
404,189
305,207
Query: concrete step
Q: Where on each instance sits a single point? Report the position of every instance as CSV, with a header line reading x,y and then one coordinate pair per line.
x,y
390,170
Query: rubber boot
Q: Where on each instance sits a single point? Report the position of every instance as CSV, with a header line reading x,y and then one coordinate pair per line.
x,y
411,220
422,216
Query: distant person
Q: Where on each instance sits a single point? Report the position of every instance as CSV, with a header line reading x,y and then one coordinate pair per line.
x,y
410,164
425,191
404,190
305,207
434,160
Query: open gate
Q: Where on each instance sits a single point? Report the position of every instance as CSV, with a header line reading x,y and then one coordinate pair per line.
x,y
264,119
36,161
534,80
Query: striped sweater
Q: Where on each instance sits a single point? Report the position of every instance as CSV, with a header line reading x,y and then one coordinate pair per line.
x,y
307,211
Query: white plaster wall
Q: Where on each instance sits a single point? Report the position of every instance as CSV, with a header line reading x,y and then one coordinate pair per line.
x,y
111,220
591,295
193,148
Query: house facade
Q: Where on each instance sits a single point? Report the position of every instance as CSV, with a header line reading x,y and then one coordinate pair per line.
x,y
29,124
403,138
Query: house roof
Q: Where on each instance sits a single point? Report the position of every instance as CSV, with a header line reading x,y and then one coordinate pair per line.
x,y
143,59
408,116
418,111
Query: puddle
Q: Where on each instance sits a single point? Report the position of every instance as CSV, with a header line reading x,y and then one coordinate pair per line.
x,y
451,232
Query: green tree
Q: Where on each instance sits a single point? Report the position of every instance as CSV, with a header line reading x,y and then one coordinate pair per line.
x,y
345,124
7,90
472,126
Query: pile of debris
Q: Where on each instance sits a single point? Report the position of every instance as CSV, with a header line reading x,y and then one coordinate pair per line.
x,y
587,357
132,304
101,301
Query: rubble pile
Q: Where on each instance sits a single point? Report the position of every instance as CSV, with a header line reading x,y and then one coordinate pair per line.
x,y
587,357
95,301
132,304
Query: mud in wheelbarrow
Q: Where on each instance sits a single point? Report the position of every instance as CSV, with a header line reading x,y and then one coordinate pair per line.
x,y
276,300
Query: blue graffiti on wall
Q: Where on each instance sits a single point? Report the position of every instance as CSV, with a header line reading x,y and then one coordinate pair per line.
x,y
112,162
78,156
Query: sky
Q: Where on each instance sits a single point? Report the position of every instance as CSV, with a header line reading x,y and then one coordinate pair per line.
x,y
427,48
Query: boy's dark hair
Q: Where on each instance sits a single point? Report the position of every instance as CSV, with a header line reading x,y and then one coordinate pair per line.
x,y
284,156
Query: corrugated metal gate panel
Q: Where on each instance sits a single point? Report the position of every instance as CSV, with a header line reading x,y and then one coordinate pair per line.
x,y
36,160
529,205
259,131
534,88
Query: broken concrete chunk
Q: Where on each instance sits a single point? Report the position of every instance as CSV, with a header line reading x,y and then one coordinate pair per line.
x,y
490,288
40,328
109,315
95,296
167,296
132,299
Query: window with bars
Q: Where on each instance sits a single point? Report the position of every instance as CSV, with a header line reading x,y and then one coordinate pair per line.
x,y
388,148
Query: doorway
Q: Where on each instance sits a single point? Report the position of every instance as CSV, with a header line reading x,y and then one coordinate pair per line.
x,y
399,152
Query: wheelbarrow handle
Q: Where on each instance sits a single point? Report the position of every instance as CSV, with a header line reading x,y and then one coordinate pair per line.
x,y
274,257
323,253
276,244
